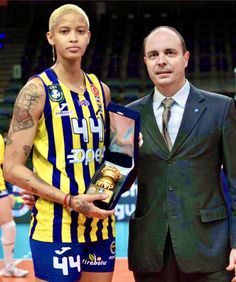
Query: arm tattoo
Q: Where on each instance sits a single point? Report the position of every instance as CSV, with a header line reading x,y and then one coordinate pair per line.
x,y
8,140
37,178
50,194
27,99
14,154
26,149
83,206
34,191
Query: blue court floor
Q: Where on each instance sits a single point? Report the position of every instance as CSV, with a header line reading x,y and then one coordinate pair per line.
x,y
22,250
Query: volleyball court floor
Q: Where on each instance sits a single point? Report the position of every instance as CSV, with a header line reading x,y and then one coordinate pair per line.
x,y
22,255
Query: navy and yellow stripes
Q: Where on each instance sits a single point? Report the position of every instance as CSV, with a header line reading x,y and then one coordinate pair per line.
x,y
68,148
2,149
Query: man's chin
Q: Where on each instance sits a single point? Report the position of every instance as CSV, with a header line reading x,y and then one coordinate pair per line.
x,y
164,81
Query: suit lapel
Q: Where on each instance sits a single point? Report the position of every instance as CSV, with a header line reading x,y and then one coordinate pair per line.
x,y
149,122
193,111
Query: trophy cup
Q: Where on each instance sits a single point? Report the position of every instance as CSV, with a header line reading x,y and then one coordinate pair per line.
x,y
116,173
106,184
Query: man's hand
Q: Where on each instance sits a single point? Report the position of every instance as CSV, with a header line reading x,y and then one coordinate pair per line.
x,y
232,263
84,204
140,140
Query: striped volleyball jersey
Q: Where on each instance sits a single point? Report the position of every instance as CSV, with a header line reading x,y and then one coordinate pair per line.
x,y
2,147
68,148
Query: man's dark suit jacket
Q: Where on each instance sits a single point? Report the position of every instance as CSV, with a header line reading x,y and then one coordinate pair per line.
x,y
181,190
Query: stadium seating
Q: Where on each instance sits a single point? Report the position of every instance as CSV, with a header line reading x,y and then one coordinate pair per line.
x,y
115,53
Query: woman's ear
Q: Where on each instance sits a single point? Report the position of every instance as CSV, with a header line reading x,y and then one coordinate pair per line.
x,y
50,38
89,36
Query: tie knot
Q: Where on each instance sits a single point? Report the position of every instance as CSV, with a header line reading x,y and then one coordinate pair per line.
x,y
168,102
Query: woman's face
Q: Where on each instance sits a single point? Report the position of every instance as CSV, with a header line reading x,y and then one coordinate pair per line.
x,y
70,36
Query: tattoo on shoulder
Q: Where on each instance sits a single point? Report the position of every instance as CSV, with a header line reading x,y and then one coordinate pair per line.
x,y
25,102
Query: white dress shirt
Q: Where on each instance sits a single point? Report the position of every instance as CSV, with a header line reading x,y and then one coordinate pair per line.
x,y
177,109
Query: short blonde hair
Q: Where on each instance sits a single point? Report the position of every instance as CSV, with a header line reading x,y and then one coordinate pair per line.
x,y
67,8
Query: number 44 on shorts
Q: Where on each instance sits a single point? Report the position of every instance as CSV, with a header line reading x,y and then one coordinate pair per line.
x,y
66,263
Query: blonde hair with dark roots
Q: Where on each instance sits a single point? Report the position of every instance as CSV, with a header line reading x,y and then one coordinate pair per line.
x,y
64,9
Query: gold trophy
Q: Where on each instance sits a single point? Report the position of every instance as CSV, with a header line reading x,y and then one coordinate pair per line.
x,y
117,171
106,184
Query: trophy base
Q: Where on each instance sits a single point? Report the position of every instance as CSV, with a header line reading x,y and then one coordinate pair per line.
x,y
93,189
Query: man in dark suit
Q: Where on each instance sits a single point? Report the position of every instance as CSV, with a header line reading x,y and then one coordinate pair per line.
x,y
181,229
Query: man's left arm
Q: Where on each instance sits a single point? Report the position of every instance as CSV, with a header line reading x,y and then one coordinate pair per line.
x,y
229,165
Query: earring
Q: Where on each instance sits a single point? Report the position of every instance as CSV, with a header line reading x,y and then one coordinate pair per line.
x,y
53,53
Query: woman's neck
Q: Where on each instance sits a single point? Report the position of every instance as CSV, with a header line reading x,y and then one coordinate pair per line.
x,y
70,75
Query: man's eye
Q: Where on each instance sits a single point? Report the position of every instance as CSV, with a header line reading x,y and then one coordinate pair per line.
x,y
170,53
152,55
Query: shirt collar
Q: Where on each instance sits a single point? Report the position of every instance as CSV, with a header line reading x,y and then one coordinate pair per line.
x,y
180,97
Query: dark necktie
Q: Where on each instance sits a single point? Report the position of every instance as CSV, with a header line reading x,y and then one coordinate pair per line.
x,y
167,103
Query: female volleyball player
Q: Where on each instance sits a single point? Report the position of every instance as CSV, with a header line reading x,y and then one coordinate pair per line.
x,y
60,115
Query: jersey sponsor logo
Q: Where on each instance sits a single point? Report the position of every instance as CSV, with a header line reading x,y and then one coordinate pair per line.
x,y
88,156
98,100
83,103
94,260
62,110
63,250
97,96
55,93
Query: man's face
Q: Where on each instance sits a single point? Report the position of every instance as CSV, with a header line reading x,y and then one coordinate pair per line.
x,y
166,61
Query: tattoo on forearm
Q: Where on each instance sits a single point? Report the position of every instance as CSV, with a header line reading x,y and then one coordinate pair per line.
x,y
83,206
37,178
26,149
27,99
50,194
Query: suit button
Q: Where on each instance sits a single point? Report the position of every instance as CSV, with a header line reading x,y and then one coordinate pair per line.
x,y
171,188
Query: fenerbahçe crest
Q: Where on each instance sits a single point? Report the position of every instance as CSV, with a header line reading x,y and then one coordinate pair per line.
x,y
55,93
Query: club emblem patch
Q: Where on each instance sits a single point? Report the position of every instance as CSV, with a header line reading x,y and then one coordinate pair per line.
x,y
55,93
113,247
